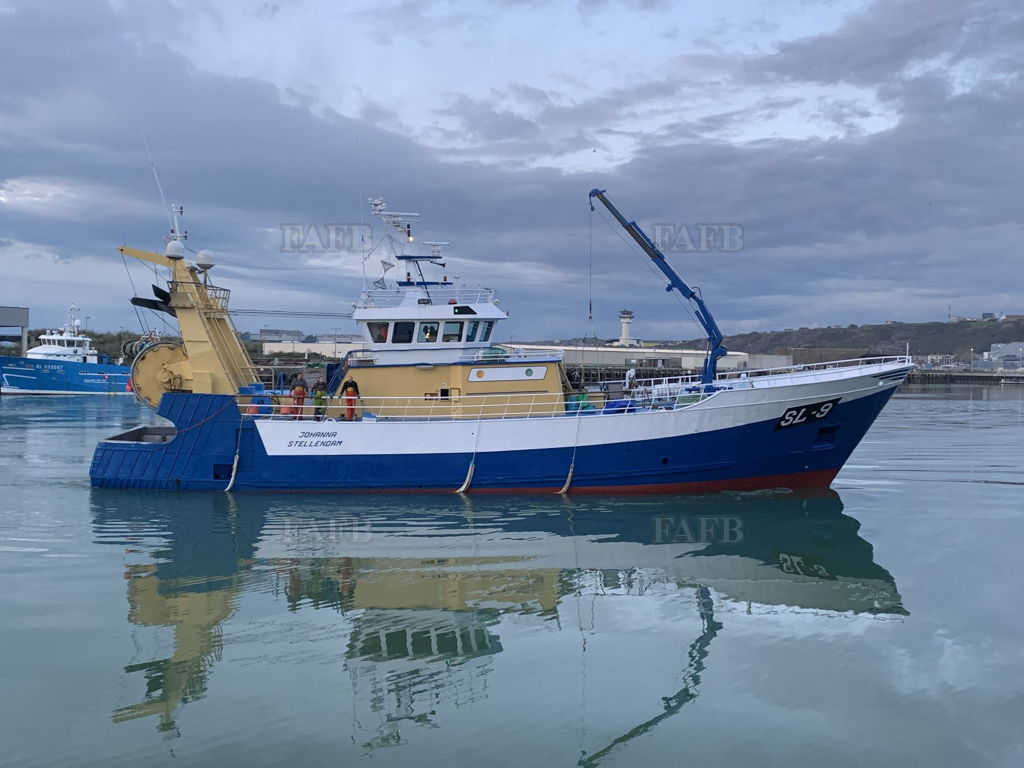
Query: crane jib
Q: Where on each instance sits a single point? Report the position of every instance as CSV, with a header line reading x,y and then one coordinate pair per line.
x,y
716,348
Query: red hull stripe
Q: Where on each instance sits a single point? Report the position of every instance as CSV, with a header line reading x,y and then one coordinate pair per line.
x,y
817,479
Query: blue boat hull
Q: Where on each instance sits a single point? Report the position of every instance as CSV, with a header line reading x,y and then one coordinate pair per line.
x,y
212,435
27,376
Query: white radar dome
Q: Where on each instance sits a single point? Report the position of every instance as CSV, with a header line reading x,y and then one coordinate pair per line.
x,y
175,250
204,259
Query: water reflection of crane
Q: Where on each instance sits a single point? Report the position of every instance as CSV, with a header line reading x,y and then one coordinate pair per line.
x,y
423,599
196,618
695,655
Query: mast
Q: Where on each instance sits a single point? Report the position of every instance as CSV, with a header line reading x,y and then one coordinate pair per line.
x,y
210,359
398,229
716,348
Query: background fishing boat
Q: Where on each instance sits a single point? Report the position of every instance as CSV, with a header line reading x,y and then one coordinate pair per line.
x,y
63,363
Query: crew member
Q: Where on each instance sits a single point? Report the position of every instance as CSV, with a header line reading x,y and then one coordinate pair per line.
x,y
319,397
299,396
350,394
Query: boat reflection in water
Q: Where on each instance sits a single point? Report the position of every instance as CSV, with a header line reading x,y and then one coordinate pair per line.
x,y
423,584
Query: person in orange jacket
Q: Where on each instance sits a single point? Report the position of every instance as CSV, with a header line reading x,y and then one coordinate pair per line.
x,y
299,396
350,395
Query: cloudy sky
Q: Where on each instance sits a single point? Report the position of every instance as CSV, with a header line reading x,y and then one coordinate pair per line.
x,y
871,150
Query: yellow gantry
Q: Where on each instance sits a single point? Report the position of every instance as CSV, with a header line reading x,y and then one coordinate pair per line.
x,y
211,359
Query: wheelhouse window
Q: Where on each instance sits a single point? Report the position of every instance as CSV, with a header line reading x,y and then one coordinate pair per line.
x,y
471,328
485,334
428,333
403,333
452,331
378,332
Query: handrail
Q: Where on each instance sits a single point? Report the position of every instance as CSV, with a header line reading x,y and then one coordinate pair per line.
x,y
394,297
475,355
512,405
484,355
745,373
210,297
641,396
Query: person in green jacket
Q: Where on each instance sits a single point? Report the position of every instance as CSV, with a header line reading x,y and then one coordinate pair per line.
x,y
319,398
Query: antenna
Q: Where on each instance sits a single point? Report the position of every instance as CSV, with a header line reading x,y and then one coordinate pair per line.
x,y
173,211
397,226
156,176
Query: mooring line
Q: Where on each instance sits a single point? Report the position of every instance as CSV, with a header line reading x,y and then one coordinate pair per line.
x,y
234,464
572,463
472,461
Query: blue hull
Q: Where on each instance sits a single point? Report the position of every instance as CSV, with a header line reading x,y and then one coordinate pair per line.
x,y
22,375
210,433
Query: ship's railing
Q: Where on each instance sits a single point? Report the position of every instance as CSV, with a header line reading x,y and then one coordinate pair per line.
x,y
488,355
394,297
501,355
444,406
207,296
664,387
360,356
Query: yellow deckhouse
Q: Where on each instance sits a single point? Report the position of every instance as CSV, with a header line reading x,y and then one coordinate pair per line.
x,y
429,345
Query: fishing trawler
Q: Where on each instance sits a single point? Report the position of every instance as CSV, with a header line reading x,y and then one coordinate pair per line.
x,y
63,363
432,405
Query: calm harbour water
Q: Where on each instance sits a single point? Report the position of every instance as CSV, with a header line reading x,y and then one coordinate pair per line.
x,y
879,623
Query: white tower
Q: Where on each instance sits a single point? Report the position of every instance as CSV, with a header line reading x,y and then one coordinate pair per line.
x,y
625,318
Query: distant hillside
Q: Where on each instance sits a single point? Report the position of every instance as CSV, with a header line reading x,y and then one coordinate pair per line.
x,y
891,338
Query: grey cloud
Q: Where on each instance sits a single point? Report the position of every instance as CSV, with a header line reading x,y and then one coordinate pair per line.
x,y
854,228
588,6
480,121
724,123
878,45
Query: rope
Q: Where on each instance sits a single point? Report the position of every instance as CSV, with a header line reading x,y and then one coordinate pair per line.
x,y
572,463
589,331
232,263
472,461
234,464
590,276
209,418
686,303
168,330
135,292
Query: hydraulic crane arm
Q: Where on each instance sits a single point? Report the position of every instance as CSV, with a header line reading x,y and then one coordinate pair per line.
x,y
716,348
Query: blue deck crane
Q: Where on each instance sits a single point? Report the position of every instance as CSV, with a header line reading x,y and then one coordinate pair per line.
x,y
715,347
